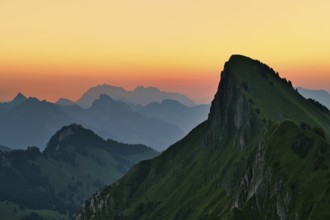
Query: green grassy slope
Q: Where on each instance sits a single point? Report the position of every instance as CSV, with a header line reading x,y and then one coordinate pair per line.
x,y
54,183
258,156
274,97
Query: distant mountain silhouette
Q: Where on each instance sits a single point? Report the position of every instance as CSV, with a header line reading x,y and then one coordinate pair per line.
x,y
184,117
321,96
139,96
31,122
19,98
117,119
64,101
7,106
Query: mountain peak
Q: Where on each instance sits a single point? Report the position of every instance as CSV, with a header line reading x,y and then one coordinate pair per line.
x,y
231,110
70,137
239,57
105,101
249,88
105,97
74,127
19,98
65,102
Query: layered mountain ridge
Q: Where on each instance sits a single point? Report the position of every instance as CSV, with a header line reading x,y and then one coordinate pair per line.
x,y
75,163
263,153
116,119
29,121
139,96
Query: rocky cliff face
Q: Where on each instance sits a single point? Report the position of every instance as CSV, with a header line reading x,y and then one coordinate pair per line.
x,y
231,111
257,186
249,160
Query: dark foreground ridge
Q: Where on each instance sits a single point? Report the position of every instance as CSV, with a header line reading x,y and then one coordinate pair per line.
x,y
262,154
75,164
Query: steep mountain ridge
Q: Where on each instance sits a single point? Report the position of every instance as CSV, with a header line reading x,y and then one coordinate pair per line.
x,y
263,153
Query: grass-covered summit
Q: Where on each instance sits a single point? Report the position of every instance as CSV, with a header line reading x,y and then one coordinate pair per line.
x,y
263,153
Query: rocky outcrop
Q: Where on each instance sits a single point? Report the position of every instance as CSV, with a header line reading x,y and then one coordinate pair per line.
x,y
231,112
98,202
258,186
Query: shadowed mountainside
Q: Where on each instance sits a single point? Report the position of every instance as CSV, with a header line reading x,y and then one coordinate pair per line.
x,y
75,163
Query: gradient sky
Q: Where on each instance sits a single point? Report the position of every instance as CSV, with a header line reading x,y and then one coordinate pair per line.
x,y
53,49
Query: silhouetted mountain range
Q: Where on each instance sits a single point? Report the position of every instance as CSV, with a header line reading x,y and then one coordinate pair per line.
x,y
139,96
64,101
185,118
117,119
29,121
263,154
7,106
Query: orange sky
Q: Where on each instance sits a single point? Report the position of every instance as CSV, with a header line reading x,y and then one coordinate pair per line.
x,y
53,49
